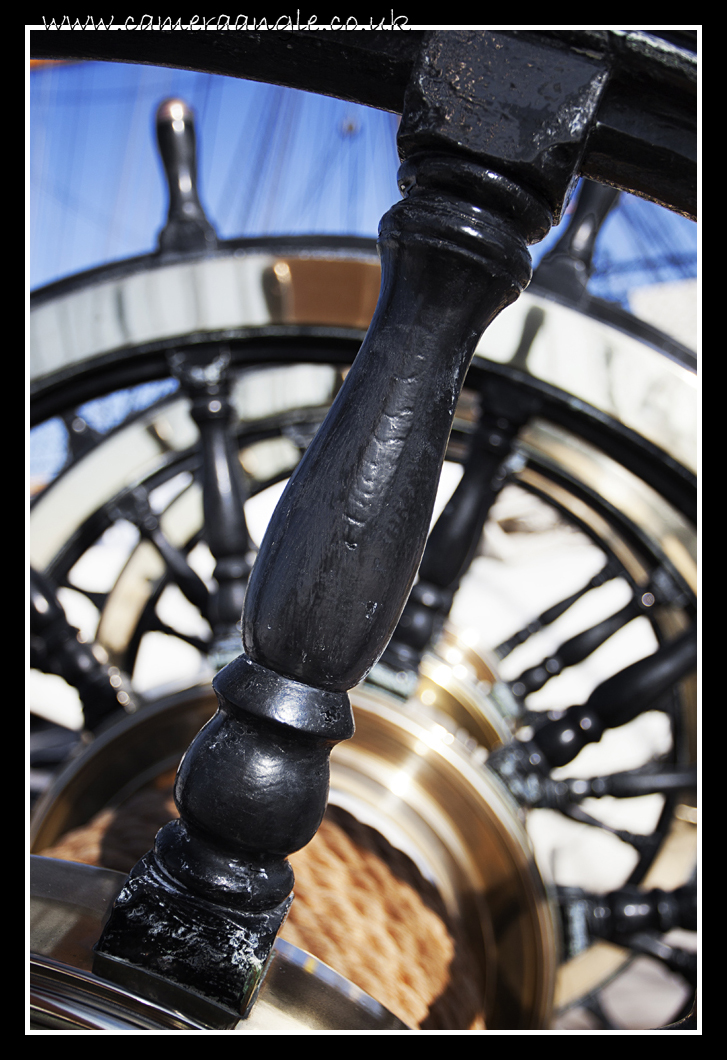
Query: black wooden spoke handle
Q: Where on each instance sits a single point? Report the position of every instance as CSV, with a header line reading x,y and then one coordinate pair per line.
x,y
618,700
547,617
572,651
660,590
204,375
558,736
650,780
628,910
187,227
57,648
134,506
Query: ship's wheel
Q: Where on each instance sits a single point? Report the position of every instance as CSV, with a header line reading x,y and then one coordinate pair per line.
x,y
586,565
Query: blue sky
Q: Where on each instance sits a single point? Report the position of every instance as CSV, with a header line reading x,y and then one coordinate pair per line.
x,y
272,161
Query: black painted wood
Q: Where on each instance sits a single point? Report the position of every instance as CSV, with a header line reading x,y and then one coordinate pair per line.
x,y
624,912
204,375
362,497
650,779
660,590
135,507
187,227
495,110
618,700
251,789
607,573
56,647
559,735
655,910
574,650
